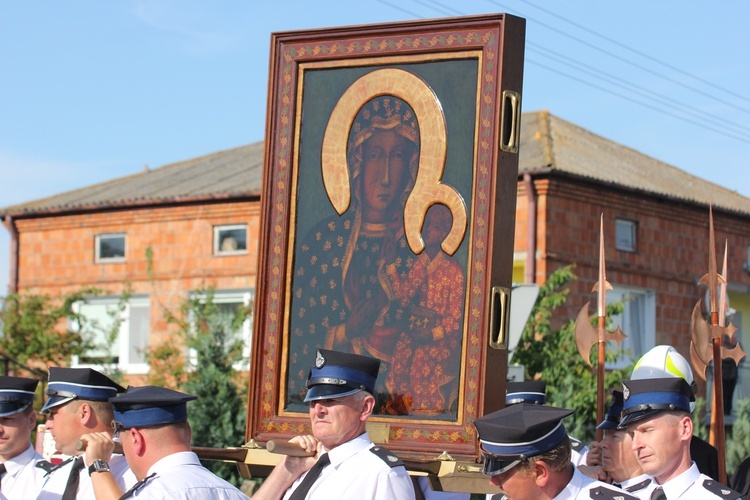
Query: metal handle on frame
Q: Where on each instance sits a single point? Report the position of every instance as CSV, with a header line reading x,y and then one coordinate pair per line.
x,y
510,121
499,317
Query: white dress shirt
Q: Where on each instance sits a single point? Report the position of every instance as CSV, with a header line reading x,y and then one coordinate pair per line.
x,y
358,473
55,482
22,478
692,485
181,476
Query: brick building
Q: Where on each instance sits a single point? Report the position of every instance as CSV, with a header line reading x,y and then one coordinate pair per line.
x,y
197,222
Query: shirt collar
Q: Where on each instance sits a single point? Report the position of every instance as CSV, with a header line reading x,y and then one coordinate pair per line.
x,y
18,462
677,485
346,450
633,481
576,483
175,459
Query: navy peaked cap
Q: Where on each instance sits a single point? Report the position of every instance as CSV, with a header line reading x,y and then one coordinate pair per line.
x,y
67,384
612,417
150,405
16,394
528,391
519,431
338,374
646,397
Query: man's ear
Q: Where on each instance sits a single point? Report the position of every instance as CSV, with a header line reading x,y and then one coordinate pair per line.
x,y
368,406
139,443
686,428
32,420
85,413
541,472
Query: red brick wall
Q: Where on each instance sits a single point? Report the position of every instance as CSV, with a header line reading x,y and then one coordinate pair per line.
x,y
672,248
56,254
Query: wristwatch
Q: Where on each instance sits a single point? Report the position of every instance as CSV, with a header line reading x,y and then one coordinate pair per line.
x,y
98,466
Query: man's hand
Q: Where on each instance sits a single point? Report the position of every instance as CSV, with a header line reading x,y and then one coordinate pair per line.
x,y
296,466
594,456
594,472
289,469
99,446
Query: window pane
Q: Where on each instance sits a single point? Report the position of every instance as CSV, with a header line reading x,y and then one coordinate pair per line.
x,y
625,235
100,318
139,331
230,239
111,247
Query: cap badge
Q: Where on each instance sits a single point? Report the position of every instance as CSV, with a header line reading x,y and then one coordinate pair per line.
x,y
625,392
319,361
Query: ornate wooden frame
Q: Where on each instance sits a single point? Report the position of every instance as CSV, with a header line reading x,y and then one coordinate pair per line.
x,y
478,56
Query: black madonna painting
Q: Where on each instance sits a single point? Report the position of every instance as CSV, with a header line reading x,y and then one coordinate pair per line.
x,y
377,266
388,211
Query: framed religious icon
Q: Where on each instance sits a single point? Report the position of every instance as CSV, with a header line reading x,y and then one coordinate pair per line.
x,y
389,192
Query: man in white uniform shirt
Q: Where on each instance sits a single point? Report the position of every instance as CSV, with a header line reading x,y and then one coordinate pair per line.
x,y
347,464
151,423
535,391
526,453
619,464
19,477
77,404
656,414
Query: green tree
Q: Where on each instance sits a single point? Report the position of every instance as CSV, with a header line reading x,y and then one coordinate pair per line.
x,y
738,439
36,327
217,417
551,355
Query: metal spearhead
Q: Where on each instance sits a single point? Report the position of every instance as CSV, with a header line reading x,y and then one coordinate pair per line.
x,y
586,334
703,332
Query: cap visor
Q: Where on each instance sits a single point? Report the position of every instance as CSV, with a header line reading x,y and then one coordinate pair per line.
x,y
53,401
8,408
635,417
318,392
494,464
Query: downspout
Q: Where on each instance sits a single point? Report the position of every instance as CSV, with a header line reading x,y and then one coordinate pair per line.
x,y
10,225
530,267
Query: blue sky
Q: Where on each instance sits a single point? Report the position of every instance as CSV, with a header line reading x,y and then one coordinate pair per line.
x,y
91,90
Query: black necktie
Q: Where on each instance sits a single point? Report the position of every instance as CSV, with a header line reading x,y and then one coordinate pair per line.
x,y
301,492
3,470
658,494
71,488
137,485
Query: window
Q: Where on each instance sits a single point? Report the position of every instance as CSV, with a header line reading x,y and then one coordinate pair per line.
x,y
229,240
119,332
110,247
625,232
638,322
227,302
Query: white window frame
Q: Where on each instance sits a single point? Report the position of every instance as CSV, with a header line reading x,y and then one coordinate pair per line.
x,y
624,225
217,239
244,297
98,245
645,330
123,337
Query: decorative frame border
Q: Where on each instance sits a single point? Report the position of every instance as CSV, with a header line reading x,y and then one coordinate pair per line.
x,y
497,40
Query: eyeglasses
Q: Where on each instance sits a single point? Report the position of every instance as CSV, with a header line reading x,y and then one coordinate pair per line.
x,y
493,465
117,426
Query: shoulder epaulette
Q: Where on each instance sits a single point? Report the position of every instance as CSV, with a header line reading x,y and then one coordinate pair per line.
x,y
639,486
603,493
720,490
53,468
386,456
576,444
45,466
